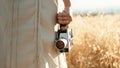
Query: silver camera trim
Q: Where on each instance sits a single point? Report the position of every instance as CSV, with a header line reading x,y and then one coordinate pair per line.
x,y
66,38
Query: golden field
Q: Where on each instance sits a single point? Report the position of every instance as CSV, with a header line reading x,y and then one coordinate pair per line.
x,y
96,41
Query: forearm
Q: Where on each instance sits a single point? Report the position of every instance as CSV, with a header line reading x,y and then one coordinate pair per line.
x,y
67,5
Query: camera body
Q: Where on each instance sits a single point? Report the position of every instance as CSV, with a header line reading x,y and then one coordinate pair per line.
x,y
63,40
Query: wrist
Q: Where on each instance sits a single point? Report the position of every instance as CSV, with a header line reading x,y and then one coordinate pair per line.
x,y
67,9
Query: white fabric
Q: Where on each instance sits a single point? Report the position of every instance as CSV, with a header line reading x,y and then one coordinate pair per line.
x,y
27,34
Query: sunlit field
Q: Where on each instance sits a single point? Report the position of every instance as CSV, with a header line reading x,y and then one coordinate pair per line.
x,y
96,41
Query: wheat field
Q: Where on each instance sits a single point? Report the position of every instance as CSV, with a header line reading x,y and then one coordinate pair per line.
x,y
96,41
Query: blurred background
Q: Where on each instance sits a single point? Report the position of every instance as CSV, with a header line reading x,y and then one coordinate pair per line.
x,y
93,6
96,30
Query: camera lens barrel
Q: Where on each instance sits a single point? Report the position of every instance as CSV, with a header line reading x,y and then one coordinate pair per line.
x,y
61,43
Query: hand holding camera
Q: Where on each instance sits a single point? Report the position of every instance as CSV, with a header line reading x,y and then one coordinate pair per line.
x,y
64,18
63,35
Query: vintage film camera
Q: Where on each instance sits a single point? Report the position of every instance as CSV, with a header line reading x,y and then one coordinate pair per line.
x,y
63,41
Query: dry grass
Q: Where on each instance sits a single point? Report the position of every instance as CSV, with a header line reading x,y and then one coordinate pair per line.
x,y
96,42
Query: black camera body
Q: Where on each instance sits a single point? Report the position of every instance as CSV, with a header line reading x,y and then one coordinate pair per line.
x,y
63,40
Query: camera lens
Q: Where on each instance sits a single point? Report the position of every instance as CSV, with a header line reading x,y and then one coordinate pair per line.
x,y
60,44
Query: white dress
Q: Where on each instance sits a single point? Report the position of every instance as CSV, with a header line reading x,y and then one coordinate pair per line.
x,y
27,34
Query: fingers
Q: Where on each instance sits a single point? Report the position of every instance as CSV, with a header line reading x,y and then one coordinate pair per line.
x,y
63,21
64,18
